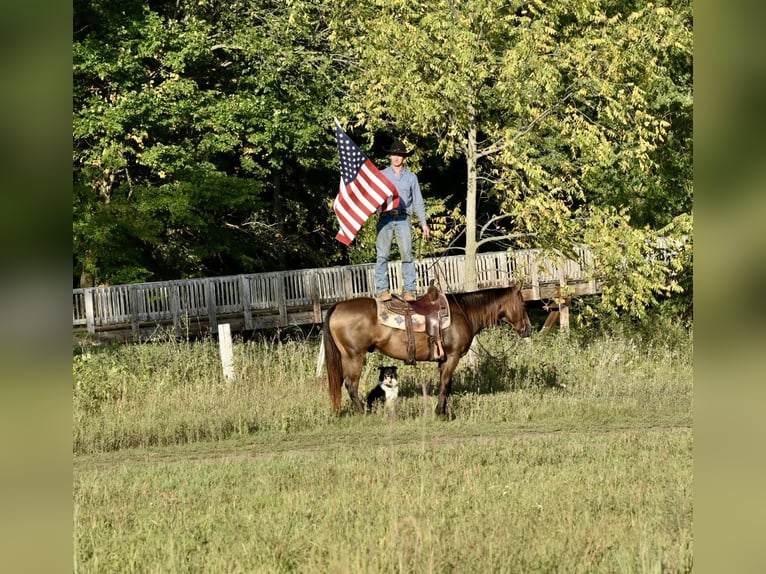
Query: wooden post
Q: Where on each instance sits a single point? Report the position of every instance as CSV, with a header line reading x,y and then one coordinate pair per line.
x,y
313,279
279,290
90,319
244,299
133,297
552,316
534,279
211,307
472,356
227,351
175,308
370,280
564,317
348,287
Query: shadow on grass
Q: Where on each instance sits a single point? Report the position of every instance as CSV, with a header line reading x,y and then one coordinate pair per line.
x,y
488,376
491,376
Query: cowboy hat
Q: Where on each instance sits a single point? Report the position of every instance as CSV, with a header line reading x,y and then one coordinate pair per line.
x,y
398,148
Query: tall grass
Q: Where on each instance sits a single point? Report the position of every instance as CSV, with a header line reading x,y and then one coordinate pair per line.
x,y
566,454
174,392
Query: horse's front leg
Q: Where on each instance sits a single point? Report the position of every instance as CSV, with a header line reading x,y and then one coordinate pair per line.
x,y
445,384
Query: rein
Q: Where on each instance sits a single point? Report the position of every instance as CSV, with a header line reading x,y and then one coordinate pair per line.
x,y
439,273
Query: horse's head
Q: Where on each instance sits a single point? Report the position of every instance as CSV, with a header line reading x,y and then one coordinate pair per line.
x,y
514,312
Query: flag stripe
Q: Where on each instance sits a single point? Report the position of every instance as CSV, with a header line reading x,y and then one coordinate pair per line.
x,y
345,240
372,183
363,188
347,218
350,208
356,194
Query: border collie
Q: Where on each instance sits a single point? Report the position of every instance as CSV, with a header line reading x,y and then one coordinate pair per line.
x,y
387,389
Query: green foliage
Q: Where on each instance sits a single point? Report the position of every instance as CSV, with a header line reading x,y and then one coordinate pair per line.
x,y
562,109
637,267
203,143
197,139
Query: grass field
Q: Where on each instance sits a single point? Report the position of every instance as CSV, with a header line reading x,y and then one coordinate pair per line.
x,y
176,470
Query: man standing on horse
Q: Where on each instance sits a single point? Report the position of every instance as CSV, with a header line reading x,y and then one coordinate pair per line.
x,y
396,222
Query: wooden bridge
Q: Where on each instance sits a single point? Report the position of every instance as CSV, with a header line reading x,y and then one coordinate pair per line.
x,y
283,298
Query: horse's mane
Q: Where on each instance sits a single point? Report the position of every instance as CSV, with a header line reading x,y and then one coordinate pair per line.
x,y
481,308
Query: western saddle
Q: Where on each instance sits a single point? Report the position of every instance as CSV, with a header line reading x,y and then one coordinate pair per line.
x,y
434,309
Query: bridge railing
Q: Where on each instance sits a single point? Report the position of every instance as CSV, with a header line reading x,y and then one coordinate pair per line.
x,y
301,295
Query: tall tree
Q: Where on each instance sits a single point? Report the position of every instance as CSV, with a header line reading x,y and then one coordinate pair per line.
x,y
198,137
559,109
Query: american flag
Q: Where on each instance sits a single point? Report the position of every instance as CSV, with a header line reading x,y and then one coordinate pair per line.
x,y
363,189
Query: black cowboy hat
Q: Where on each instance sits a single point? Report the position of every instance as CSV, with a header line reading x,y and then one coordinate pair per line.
x,y
398,148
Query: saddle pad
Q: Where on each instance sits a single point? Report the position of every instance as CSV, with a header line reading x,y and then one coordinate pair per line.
x,y
395,320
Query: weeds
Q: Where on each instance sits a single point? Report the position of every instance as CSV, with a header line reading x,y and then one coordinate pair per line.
x,y
173,392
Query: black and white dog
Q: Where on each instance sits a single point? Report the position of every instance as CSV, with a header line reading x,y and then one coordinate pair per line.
x,y
387,389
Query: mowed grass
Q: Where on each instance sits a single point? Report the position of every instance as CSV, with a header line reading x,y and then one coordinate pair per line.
x,y
176,470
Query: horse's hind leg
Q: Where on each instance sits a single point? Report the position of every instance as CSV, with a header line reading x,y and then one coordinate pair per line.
x,y
353,370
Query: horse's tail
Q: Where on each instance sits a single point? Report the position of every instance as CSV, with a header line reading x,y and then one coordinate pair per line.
x,y
333,362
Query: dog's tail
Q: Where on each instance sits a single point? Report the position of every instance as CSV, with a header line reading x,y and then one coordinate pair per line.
x,y
333,362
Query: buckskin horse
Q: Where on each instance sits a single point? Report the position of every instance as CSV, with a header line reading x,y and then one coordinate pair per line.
x,y
352,329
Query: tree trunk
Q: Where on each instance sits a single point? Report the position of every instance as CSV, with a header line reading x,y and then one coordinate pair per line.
x,y
87,278
279,213
471,280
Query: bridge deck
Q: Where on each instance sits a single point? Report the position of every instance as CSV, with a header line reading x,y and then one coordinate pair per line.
x,y
280,299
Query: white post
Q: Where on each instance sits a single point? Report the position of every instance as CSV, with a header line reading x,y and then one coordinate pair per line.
x,y
90,316
227,351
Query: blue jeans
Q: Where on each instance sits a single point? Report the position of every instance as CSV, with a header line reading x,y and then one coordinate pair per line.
x,y
388,227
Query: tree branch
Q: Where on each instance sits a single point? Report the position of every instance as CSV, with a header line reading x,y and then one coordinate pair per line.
x,y
499,238
493,219
503,143
225,46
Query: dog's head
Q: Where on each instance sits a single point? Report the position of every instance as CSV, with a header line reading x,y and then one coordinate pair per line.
x,y
387,376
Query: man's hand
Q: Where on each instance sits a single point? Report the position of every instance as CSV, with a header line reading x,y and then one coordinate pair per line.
x,y
426,230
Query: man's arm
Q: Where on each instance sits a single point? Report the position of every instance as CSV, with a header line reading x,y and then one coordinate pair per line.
x,y
418,206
